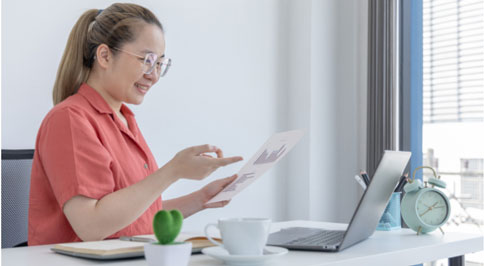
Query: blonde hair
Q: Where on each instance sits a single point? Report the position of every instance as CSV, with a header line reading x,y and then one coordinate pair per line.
x,y
112,26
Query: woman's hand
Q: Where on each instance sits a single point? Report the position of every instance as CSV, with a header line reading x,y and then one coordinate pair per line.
x,y
197,201
195,163
212,189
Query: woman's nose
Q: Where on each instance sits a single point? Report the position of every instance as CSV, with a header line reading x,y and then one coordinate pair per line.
x,y
153,76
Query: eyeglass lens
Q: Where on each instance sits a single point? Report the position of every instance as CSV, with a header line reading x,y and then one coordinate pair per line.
x,y
153,62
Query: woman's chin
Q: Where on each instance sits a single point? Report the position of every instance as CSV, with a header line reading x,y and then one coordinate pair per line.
x,y
136,100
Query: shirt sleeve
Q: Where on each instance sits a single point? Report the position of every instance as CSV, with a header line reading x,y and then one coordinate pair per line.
x,y
73,157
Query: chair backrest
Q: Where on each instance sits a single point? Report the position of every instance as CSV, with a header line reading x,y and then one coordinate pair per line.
x,y
16,168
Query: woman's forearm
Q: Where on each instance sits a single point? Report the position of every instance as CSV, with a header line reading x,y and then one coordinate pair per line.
x,y
94,219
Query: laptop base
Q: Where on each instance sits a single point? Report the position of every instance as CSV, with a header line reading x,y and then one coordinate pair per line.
x,y
301,238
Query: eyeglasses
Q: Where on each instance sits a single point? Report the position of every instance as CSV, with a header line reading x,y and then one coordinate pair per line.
x,y
151,61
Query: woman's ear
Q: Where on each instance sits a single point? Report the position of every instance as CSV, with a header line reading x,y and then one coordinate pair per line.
x,y
103,55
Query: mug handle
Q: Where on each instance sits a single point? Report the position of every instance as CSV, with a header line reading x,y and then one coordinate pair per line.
x,y
209,237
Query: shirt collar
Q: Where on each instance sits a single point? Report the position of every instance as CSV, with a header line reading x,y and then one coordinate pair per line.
x,y
98,102
126,111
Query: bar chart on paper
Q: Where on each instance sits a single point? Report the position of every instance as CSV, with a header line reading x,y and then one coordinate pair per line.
x,y
267,156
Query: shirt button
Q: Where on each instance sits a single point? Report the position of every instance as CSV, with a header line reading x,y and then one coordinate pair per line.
x,y
146,166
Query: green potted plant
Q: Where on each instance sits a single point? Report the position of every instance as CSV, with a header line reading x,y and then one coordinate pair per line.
x,y
166,252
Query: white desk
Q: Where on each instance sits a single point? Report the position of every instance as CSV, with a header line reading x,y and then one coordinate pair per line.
x,y
402,247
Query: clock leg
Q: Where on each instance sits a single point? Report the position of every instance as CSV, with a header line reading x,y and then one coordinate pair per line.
x,y
419,230
457,261
442,230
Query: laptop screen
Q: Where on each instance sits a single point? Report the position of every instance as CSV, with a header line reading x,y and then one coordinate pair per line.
x,y
376,197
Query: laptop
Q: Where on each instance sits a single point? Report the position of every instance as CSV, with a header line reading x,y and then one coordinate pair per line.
x,y
364,220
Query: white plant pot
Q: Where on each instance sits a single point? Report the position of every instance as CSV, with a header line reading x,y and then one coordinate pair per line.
x,y
168,255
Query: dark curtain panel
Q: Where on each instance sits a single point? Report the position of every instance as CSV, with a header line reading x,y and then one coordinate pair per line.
x,y
383,80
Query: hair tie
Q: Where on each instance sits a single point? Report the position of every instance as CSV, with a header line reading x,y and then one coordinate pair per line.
x,y
99,11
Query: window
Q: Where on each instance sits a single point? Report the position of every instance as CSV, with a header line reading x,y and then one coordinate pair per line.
x,y
453,58
453,108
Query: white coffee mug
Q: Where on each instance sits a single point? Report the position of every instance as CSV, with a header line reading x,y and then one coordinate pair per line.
x,y
242,236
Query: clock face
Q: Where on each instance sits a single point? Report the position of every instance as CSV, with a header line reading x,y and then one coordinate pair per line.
x,y
432,208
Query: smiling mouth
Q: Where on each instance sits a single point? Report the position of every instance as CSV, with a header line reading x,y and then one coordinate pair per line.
x,y
142,88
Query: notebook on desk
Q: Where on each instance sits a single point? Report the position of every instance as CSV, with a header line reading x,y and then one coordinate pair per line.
x,y
119,249
364,220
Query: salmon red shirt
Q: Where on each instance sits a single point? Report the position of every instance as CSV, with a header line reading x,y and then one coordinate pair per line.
x,y
83,148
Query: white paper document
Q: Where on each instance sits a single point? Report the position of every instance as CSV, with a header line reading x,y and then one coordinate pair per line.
x,y
267,156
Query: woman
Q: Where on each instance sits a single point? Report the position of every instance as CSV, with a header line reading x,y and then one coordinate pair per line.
x,y
93,175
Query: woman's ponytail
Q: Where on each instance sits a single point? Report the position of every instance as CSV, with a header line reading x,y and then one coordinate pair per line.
x,y
72,70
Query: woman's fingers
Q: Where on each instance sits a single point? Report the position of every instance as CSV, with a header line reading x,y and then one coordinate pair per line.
x,y
197,162
222,183
219,153
219,204
216,186
228,160
226,181
201,149
197,150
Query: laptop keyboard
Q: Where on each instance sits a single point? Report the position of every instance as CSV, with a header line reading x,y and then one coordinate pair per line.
x,y
309,237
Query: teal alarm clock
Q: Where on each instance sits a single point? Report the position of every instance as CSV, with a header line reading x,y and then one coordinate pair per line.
x,y
425,208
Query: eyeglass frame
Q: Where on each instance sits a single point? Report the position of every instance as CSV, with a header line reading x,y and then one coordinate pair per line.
x,y
144,58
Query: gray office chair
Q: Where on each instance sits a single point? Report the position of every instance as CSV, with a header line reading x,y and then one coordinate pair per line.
x,y
16,167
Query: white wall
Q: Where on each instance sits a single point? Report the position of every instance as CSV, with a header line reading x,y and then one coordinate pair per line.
x,y
242,70
327,92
